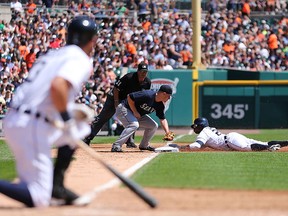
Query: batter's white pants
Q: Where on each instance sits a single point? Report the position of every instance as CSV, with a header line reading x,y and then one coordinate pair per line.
x,y
27,138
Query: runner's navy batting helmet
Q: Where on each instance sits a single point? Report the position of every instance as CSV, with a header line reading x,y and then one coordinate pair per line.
x,y
81,30
203,122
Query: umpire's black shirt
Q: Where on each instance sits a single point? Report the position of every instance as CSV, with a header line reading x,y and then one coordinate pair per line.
x,y
129,83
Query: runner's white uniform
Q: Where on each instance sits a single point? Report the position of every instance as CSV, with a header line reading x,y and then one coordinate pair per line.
x,y
33,156
211,137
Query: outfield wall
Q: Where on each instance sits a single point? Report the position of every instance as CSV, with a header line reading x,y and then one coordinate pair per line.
x,y
228,98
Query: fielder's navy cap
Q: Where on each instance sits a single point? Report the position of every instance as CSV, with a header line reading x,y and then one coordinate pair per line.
x,y
142,66
166,88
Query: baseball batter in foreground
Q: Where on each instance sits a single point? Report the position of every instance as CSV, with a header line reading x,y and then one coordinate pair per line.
x,y
133,113
46,96
211,137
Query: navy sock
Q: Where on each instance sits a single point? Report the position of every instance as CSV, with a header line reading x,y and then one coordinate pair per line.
x,y
18,192
258,147
281,143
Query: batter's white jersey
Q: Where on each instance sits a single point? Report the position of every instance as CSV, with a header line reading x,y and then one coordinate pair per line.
x,y
35,92
211,137
29,137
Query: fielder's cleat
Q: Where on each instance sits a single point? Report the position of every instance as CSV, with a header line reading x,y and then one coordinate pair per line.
x,y
116,148
131,145
148,148
275,147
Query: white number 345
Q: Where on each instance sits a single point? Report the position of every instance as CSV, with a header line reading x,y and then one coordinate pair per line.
x,y
230,111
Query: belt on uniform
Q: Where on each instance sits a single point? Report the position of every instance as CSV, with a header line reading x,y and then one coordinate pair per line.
x,y
37,115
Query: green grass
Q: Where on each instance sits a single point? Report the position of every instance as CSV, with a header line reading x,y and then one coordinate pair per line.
x,y
5,152
222,170
217,170
7,170
7,163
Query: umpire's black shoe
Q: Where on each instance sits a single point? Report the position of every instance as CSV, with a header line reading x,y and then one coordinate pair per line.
x,y
148,148
131,145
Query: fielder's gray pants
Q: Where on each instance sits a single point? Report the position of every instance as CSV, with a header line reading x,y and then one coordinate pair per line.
x,y
131,124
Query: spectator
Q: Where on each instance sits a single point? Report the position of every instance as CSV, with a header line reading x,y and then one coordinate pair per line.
x,y
90,97
271,5
131,49
31,7
30,59
16,6
83,5
174,54
246,8
61,30
131,5
187,57
110,74
272,42
54,43
143,10
23,50
48,3
153,10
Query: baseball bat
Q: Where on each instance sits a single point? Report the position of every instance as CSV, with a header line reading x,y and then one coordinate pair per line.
x,y
137,189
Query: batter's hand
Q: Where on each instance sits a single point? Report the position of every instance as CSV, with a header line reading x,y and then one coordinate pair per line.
x,y
169,136
70,132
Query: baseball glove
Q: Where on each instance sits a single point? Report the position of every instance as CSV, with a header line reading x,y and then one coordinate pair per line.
x,y
169,136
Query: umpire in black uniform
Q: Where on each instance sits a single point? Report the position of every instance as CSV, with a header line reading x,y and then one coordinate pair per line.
x,y
131,82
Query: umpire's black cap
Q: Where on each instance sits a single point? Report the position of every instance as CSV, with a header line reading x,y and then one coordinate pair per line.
x,y
142,66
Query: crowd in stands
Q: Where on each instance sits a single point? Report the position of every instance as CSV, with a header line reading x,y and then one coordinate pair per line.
x,y
135,31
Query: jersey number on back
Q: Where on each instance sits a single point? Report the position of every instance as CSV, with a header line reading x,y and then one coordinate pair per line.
x,y
36,69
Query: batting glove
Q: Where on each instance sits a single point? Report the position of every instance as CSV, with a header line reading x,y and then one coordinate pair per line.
x,y
70,132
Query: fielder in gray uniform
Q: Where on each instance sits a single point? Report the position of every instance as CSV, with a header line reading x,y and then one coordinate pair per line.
x,y
133,113
131,82
211,137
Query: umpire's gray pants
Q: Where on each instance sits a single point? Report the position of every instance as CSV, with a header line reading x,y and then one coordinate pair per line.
x,y
131,124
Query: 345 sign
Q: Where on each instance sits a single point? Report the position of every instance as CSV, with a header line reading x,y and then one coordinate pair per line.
x,y
229,111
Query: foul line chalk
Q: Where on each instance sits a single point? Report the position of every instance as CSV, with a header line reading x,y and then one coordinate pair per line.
x,y
114,182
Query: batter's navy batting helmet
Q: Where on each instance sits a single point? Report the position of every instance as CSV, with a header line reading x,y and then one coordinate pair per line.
x,y
81,30
202,122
